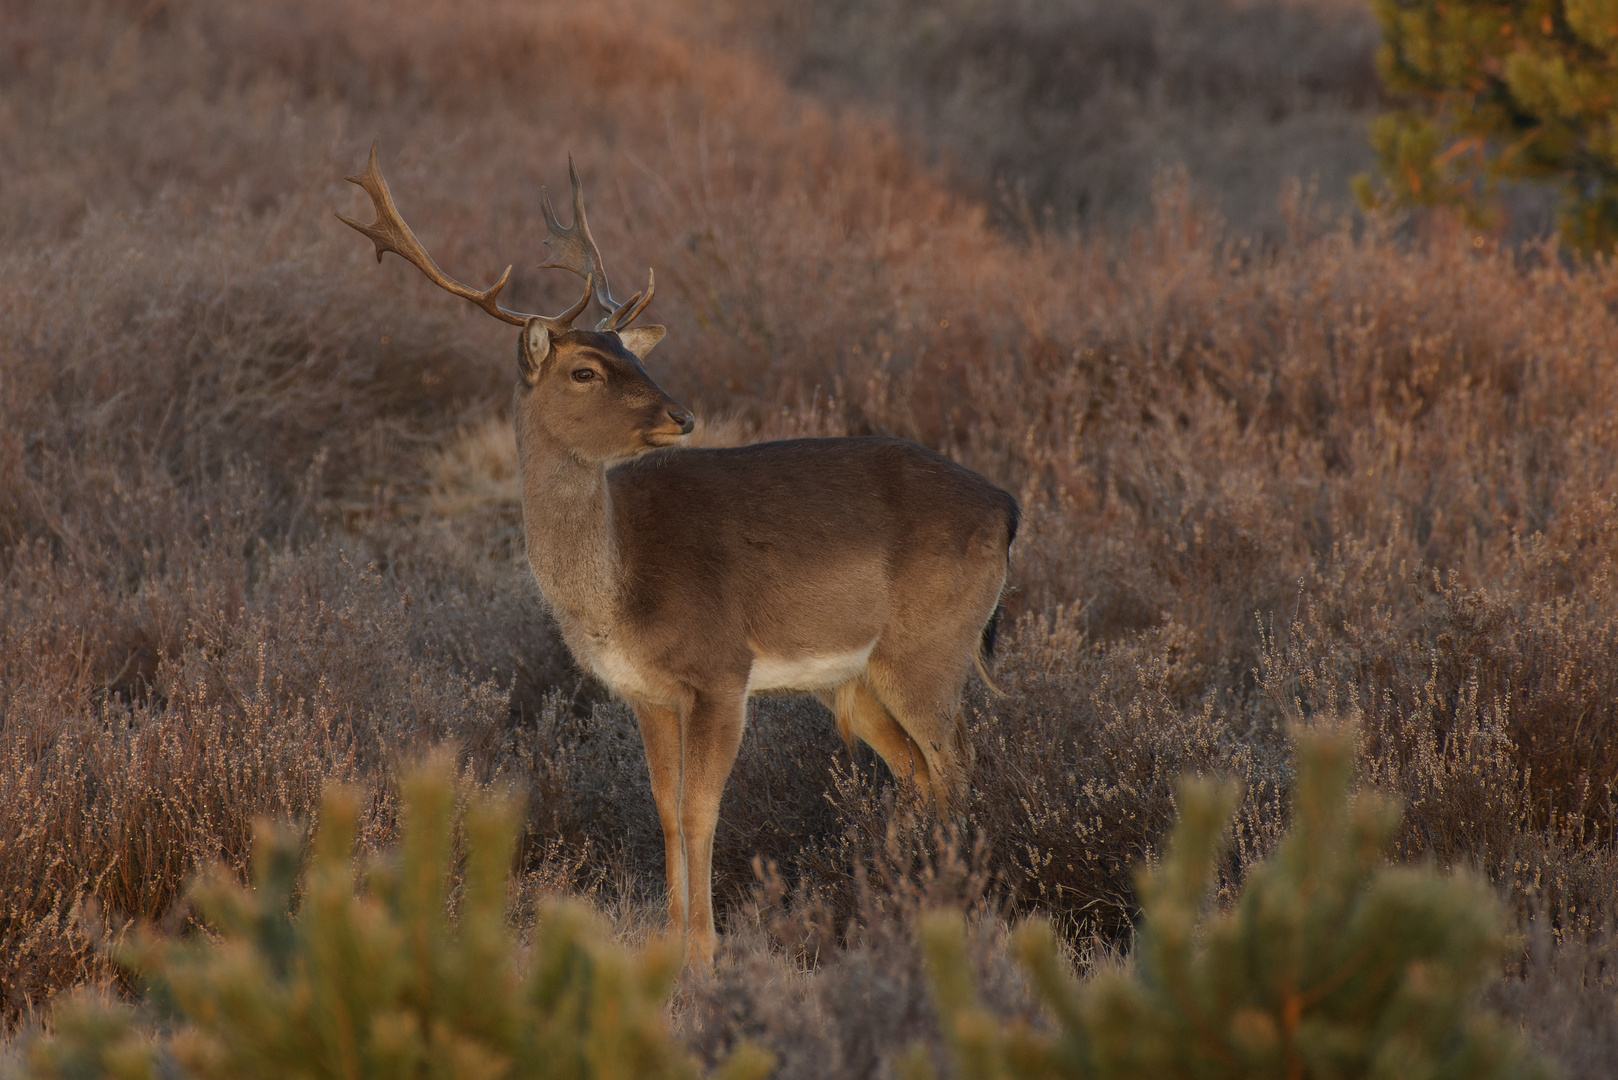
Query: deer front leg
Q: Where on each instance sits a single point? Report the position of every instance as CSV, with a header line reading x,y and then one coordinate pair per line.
x,y
660,735
712,735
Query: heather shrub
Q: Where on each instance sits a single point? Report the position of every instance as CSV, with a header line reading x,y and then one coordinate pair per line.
x,y
825,968
1560,992
1495,749
134,758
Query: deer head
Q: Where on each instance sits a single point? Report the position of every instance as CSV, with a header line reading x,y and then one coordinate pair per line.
x,y
587,390
584,388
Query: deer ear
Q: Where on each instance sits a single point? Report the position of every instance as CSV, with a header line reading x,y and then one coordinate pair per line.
x,y
640,339
533,347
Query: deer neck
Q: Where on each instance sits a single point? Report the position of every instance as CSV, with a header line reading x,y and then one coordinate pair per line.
x,y
567,516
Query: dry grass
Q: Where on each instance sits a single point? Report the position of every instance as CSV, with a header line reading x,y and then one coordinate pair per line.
x,y
258,526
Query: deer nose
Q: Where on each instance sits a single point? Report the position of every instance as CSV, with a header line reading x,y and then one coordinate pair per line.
x,y
684,419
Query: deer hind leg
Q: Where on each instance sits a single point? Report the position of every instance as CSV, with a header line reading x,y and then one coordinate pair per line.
x,y
860,713
923,696
711,736
920,665
660,735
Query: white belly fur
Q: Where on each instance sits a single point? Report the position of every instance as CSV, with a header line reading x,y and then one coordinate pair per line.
x,y
810,671
616,668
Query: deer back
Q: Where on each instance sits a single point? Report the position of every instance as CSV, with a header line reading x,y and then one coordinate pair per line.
x,y
808,546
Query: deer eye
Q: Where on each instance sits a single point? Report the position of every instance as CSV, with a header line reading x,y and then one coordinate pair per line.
x,y
583,375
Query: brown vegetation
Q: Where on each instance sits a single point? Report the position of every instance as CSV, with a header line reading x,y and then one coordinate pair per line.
x,y
257,516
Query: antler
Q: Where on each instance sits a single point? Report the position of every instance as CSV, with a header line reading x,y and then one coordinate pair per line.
x,y
390,233
575,249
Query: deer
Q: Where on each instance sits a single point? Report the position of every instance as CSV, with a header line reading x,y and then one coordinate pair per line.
x,y
867,571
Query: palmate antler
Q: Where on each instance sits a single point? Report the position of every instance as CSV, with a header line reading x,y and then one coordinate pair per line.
x,y
575,249
571,249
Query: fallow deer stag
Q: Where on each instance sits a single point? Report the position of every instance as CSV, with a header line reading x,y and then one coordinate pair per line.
x,y
866,571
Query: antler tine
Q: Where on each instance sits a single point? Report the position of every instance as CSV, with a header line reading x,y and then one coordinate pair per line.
x,y
390,233
573,248
632,307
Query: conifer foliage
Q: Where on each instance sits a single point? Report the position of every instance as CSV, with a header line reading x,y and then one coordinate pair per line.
x,y
1502,90
1331,964
382,983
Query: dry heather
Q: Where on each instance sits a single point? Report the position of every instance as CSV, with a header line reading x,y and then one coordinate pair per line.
x,y
258,527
